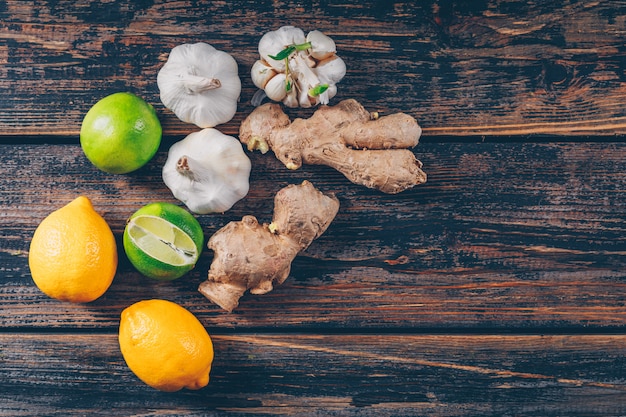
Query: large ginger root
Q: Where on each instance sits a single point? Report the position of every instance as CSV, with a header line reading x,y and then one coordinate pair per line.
x,y
368,150
255,257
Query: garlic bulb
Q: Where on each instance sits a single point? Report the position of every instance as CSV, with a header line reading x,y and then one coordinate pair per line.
x,y
299,70
200,84
208,171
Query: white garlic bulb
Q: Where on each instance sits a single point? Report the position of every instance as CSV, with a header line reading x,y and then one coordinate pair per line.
x,y
208,171
298,70
200,84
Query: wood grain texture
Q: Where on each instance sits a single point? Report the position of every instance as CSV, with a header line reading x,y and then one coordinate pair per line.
x,y
497,67
321,375
495,289
503,235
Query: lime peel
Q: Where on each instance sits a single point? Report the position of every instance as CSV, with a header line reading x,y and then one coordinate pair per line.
x,y
120,133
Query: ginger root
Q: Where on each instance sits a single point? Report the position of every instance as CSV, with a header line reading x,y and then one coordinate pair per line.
x,y
368,150
255,257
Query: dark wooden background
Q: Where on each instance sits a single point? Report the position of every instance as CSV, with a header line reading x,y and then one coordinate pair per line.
x,y
498,288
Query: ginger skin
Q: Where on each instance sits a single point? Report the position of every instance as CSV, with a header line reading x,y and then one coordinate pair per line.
x,y
368,150
256,257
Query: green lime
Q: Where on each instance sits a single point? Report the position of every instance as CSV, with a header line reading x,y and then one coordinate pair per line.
x,y
163,241
120,133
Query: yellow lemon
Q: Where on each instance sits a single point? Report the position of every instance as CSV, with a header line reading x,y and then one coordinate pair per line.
x,y
73,254
165,345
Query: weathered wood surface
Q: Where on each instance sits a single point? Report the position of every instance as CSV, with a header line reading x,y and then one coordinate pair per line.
x,y
499,67
322,375
501,235
497,288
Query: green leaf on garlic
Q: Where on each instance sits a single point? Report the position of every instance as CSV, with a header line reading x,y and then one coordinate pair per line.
x,y
200,84
284,54
317,90
208,171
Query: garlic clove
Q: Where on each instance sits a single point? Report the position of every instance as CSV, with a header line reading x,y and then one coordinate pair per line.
x,y
305,101
331,70
322,46
291,99
261,73
276,87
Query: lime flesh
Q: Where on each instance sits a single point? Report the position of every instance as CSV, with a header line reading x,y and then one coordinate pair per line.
x,y
162,240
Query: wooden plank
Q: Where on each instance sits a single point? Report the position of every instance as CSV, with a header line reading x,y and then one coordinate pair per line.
x,y
495,67
311,375
503,235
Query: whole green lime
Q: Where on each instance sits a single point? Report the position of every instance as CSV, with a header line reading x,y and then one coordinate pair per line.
x,y
120,133
163,241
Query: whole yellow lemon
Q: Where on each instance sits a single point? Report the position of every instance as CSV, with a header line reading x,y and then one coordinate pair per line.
x,y
73,254
165,345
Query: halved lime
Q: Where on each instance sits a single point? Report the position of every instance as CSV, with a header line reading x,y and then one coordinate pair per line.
x,y
163,241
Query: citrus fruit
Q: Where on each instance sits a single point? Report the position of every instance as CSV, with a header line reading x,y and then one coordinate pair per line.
x,y
73,254
163,241
165,345
120,133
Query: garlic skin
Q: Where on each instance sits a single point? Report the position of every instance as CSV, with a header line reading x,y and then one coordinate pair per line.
x,y
208,171
200,84
312,64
